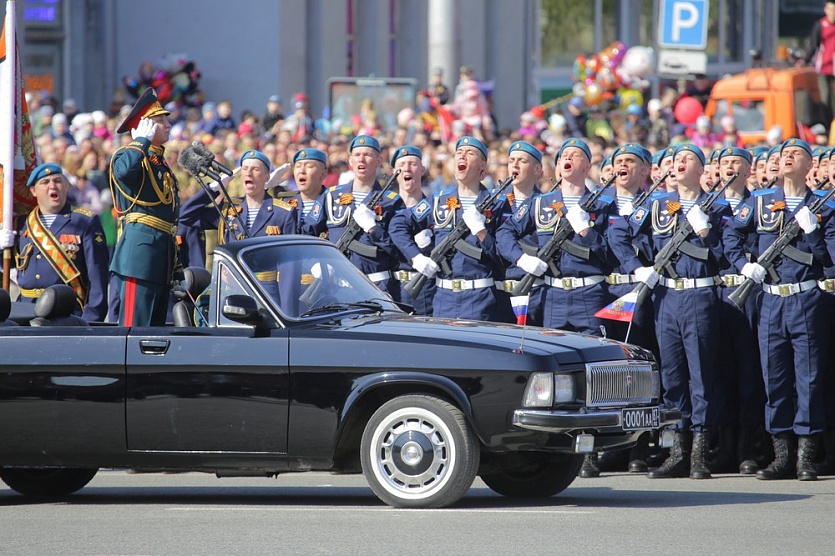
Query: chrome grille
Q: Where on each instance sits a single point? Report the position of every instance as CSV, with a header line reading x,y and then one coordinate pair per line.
x,y
613,383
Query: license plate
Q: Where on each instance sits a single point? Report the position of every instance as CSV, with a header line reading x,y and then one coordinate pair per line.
x,y
640,418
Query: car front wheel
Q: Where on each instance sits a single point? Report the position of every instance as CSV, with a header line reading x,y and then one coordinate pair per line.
x,y
46,482
534,475
419,452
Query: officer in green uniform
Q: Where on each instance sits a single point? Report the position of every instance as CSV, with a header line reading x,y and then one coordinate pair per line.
x,y
146,198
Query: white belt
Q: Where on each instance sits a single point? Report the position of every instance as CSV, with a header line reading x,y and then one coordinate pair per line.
x,y
379,276
572,283
731,280
689,283
827,285
615,279
508,285
461,285
786,290
404,275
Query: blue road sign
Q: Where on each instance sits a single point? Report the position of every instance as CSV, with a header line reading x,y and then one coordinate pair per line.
x,y
683,24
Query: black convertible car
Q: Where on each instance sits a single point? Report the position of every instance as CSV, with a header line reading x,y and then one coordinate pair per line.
x,y
291,360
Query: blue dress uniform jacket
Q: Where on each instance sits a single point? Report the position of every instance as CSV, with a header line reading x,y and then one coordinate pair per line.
x,y
275,217
332,213
792,324
81,236
688,311
572,307
403,226
145,193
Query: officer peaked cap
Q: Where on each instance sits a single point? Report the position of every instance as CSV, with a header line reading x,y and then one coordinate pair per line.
x,y
147,106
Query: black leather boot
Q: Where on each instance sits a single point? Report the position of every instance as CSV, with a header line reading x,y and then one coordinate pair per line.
x,y
722,459
638,455
698,467
677,465
806,448
783,466
745,451
590,469
827,466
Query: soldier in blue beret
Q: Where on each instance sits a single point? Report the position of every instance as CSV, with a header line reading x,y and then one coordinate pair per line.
x,y
772,167
345,202
607,169
817,177
687,307
793,336
61,244
146,197
408,231
309,169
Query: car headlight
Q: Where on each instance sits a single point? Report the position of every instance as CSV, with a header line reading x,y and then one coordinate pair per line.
x,y
564,389
540,390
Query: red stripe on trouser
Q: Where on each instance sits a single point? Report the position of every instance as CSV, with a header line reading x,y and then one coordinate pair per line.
x,y
130,301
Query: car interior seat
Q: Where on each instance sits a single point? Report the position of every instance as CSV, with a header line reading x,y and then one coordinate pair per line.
x,y
55,307
195,280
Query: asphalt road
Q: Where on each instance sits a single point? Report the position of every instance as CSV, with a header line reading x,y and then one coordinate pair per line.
x,y
317,513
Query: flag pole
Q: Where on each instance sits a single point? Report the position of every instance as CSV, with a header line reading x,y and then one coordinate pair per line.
x,y
7,117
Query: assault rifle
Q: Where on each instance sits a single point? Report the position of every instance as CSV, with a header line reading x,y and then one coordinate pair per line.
x,y
644,195
679,244
455,240
348,240
560,242
781,246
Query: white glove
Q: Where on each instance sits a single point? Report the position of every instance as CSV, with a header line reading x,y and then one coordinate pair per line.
x,y
423,238
578,218
754,271
7,238
146,129
647,275
365,217
474,220
808,222
425,265
532,265
698,219
627,209
225,180
276,175
316,271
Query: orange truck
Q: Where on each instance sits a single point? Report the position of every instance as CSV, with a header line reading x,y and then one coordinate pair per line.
x,y
761,98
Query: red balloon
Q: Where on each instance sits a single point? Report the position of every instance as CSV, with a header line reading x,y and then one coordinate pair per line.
x,y
687,110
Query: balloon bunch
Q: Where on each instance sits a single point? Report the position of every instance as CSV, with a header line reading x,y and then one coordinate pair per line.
x,y
175,77
616,73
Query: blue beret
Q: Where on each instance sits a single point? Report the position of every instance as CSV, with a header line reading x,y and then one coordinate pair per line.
x,y
773,150
825,152
576,143
795,142
468,141
631,148
526,148
407,150
608,161
311,154
43,171
714,155
693,149
816,152
831,152
365,141
756,152
660,155
257,155
735,151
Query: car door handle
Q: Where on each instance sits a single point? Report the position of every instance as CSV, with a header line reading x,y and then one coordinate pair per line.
x,y
154,347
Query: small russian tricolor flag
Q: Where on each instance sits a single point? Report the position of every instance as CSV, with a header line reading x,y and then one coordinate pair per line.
x,y
520,308
622,308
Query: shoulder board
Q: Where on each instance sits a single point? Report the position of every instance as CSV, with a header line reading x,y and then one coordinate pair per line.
x,y
722,202
82,210
333,188
447,191
761,192
421,208
392,195
282,204
501,198
819,192
605,199
657,195
284,194
662,195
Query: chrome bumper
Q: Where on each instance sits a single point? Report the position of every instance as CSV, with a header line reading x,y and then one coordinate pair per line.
x,y
602,421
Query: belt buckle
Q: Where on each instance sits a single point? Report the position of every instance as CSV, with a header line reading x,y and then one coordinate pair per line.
x,y
568,283
784,290
612,279
829,285
402,275
679,284
456,285
728,281
508,285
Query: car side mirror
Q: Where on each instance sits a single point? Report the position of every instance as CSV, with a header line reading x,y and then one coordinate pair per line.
x,y
241,308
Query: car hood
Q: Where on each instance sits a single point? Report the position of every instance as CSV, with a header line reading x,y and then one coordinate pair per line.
x,y
529,346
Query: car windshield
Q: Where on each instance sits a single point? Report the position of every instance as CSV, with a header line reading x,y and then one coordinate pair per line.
x,y
310,280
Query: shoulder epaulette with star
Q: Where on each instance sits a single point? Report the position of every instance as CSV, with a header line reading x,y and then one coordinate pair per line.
x,y
282,204
392,195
